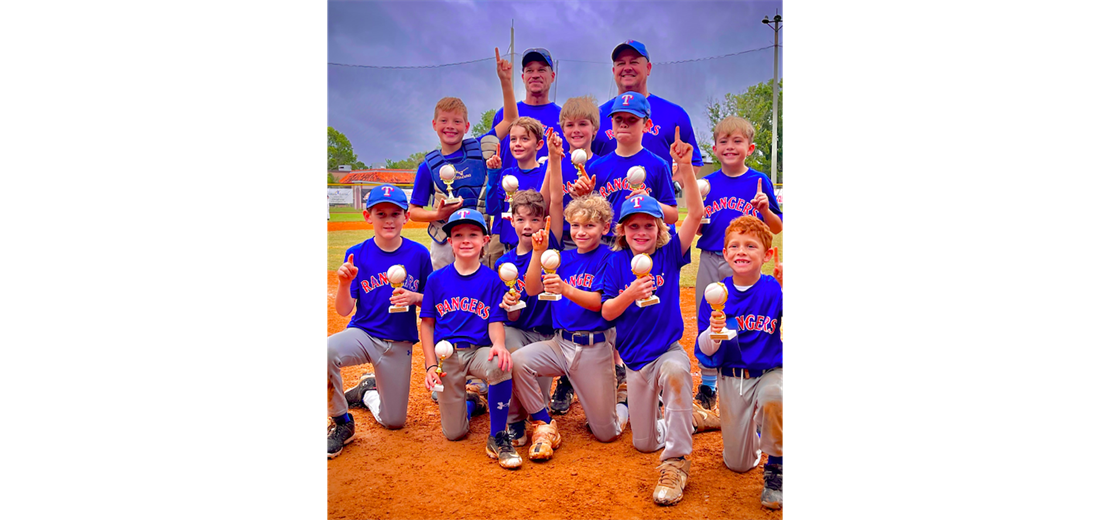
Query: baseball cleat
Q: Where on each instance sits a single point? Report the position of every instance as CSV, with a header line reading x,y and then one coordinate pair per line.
x,y
672,480
545,439
563,397
705,420
480,406
501,448
772,486
706,397
518,433
622,386
365,384
340,435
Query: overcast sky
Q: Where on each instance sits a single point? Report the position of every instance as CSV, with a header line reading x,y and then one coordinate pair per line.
x,y
387,112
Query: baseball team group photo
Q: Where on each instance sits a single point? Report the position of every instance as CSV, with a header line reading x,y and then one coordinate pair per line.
x,y
553,306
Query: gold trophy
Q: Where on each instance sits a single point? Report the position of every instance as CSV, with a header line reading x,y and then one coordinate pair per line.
x,y
703,187
510,184
549,261
635,178
396,275
447,175
444,349
641,267
508,274
716,294
578,158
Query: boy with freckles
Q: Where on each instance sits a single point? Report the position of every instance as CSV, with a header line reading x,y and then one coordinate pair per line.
x,y
647,336
750,363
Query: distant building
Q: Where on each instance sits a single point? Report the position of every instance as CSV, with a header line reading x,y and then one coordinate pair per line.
x,y
363,180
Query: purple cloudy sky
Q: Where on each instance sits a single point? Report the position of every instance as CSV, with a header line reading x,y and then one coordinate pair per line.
x,y
387,113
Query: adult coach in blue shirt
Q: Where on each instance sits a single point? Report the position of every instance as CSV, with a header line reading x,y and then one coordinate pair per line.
x,y
631,68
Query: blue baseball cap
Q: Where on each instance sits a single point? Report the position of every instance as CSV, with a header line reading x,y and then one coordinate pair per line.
x,y
632,102
536,54
387,193
631,44
465,216
640,204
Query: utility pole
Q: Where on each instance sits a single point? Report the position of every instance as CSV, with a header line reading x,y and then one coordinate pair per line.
x,y
775,101
512,44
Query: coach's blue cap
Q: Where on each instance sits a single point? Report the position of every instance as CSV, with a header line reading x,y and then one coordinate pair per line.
x,y
632,102
537,54
631,44
640,204
465,216
387,193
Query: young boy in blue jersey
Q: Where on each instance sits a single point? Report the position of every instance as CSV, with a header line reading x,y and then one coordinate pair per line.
x,y
751,363
374,335
525,140
582,349
734,191
647,337
631,113
579,121
465,155
463,309
531,324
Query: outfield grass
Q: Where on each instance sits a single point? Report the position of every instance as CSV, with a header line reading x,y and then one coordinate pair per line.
x,y
339,241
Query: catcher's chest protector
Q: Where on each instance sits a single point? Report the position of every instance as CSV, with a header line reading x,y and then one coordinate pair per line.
x,y
469,183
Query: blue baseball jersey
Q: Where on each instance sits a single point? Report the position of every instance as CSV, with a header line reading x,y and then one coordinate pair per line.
x,y
643,334
464,306
729,198
584,271
612,170
756,316
423,187
498,200
537,315
665,116
371,289
570,175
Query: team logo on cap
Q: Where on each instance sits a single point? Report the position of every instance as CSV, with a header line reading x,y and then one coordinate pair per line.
x,y
637,200
626,98
388,190
464,213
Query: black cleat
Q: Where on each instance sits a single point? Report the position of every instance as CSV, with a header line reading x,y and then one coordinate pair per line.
x,y
365,384
706,397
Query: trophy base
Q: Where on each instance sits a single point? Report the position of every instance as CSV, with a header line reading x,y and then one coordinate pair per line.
x,y
506,214
452,200
517,307
724,335
647,302
705,220
439,388
394,309
549,297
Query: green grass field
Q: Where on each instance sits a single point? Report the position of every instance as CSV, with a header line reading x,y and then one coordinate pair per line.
x,y
339,241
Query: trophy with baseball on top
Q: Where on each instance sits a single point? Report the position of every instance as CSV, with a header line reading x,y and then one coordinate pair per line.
x,y
578,158
716,294
396,275
508,274
635,178
549,261
510,184
444,349
703,187
641,267
447,175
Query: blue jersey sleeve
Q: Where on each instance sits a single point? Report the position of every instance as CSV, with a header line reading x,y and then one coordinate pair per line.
x,y
422,188
427,308
425,271
497,293
610,284
772,200
686,132
663,187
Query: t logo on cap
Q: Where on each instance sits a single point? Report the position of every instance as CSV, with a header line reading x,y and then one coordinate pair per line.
x,y
464,213
637,200
626,98
388,190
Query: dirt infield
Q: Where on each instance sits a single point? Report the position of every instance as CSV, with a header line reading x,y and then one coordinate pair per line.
x,y
415,472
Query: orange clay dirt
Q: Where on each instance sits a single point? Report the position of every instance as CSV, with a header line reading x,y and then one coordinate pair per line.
x,y
415,472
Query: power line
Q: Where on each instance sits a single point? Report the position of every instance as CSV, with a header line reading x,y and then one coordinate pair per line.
x,y
561,59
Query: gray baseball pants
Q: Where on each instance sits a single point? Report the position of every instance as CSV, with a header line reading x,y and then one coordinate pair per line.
x,y
712,268
516,339
462,364
744,404
669,373
392,361
441,254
